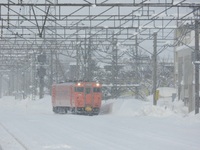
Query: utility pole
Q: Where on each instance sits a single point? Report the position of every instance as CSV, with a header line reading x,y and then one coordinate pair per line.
x,y
114,68
41,73
41,87
51,71
137,70
85,58
154,67
52,11
23,84
89,60
0,85
196,67
77,57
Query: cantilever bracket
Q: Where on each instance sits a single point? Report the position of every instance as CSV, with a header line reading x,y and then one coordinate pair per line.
x,y
40,32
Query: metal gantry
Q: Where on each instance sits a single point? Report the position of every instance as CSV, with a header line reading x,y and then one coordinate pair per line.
x,y
84,31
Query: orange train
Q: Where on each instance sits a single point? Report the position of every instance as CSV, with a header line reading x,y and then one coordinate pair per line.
x,y
79,98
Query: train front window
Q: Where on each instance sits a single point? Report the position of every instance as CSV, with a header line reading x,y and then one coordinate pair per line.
x,y
96,89
87,90
79,89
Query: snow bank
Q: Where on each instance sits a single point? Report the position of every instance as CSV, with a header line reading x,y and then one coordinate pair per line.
x,y
134,107
130,106
39,105
166,91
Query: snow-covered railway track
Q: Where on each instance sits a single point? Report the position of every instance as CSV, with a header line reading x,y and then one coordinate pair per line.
x,y
14,137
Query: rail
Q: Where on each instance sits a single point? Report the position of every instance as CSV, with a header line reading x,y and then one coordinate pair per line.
x,y
14,137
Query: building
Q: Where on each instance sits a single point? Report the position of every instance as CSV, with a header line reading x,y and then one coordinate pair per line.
x,y
184,66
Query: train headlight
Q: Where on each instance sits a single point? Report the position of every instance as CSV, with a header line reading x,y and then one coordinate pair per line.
x,y
88,108
97,84
79,84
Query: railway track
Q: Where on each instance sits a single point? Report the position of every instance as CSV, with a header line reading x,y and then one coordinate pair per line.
x,y
14,137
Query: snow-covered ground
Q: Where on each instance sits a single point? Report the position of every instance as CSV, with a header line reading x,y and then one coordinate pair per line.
x,y
124,124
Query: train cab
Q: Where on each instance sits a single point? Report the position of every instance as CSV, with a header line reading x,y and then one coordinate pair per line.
x,y
87,97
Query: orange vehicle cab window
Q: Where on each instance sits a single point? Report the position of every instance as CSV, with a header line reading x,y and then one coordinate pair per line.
x,y
87,90
79,89
96,90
